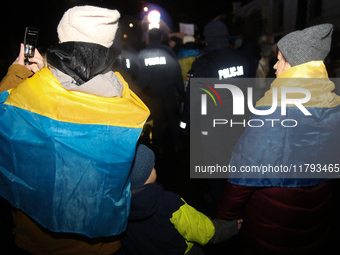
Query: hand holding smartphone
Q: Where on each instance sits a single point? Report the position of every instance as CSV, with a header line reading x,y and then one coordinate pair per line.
x,y
30,42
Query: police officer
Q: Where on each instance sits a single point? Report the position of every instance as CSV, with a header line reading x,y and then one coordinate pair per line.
x,y
217,60
160,74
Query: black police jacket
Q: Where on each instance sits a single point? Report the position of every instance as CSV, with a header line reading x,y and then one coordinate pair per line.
x,y
160,71
217,60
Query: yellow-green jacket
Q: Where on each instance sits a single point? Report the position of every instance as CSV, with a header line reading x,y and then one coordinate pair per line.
x,y
161,222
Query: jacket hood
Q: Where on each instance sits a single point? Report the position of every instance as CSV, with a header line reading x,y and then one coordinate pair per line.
x,y
104,85
145,201
82,61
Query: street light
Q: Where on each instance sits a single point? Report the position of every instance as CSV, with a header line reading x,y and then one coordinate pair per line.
x,y
154,18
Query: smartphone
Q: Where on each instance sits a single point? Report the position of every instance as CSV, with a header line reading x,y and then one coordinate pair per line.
x,y
30,42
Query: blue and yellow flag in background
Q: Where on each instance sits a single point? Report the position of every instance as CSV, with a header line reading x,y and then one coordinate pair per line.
x,y
65,156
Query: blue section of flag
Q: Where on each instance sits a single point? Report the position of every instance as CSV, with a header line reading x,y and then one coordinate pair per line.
x,y
314,140
68,177
3,96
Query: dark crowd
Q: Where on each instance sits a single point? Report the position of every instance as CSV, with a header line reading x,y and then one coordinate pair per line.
x,y
95,143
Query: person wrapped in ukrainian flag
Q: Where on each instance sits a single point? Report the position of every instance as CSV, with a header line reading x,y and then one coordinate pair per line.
x,y
68,138
285,201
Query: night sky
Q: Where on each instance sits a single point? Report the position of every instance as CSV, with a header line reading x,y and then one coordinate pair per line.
x,y
17,14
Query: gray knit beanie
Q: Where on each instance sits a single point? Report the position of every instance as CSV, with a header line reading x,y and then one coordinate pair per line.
x,y
142,166
310,44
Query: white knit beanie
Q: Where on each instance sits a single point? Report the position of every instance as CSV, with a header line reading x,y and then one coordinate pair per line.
x,y
188,38
89,24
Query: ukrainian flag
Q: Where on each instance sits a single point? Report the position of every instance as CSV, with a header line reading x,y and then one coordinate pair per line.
x,y
65,156
314,141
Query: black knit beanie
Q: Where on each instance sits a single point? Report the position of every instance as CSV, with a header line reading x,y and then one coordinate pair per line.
x,y
142,166
215,30
310,44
